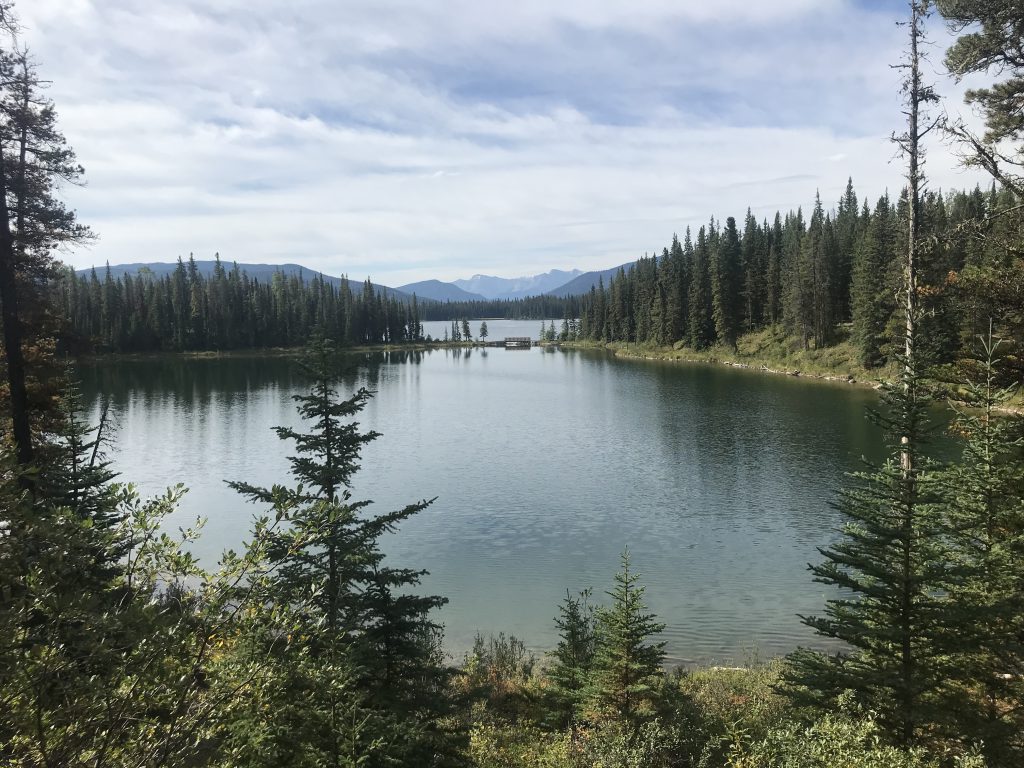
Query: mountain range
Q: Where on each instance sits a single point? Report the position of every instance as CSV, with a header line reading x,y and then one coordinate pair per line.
x,y
557,282
492,287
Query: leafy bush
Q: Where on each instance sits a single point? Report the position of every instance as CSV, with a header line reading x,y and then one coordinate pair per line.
x,y
621,745
493,745
833,741
732,706
499,670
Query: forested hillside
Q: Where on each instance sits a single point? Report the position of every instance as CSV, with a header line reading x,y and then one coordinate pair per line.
x,y
229,310
828,276
187,311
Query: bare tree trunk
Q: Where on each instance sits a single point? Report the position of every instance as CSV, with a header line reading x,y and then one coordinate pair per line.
x,y
917,94
13,331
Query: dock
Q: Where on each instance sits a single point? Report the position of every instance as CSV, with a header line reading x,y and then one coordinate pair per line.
x,y
518,342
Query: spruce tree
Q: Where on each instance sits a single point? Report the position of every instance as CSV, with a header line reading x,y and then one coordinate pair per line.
x,y
573,658
891,563
76,472
870,297
984,618
773,274
627,665
677,291
363,632
847,228
35,160
754,258
893,558
794,280
726,285
701,322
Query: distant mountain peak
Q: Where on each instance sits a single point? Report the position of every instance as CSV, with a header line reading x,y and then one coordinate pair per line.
x,y
493,287
584,281
440,291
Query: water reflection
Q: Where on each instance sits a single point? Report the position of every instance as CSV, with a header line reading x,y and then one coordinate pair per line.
x,y
546,463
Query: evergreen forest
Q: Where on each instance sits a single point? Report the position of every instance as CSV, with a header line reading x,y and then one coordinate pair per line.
x,y
187,311
307,647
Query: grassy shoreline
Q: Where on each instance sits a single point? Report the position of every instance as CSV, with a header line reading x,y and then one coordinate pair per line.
x,y
768,351
764,351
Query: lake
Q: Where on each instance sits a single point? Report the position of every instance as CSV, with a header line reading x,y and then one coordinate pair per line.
x,y
546,464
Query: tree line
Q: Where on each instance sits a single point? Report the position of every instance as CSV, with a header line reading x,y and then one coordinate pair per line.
x,y
830,277
186,310
189,311
527,308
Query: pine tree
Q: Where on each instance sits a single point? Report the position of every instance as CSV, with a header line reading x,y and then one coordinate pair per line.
x,y
990,40
573,658
627,666
870,297
701,323
726,285
991,283
363,633
34,160
984,619
893,558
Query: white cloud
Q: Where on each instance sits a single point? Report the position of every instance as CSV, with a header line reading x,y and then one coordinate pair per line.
x,y
409,140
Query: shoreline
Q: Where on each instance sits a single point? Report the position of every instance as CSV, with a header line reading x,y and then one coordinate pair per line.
x,y
808,369
714,356
719,357
207,354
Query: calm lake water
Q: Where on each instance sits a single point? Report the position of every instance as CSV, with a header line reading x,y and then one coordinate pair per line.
x,y
545,463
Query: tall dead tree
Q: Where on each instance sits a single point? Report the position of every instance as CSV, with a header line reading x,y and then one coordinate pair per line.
x,y
910,416
917,95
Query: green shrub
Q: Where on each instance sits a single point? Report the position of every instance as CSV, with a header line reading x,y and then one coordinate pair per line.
x,y
732,706
831,742
494,745
622,745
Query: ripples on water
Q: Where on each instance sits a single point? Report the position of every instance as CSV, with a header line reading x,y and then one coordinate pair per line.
x,y
546,464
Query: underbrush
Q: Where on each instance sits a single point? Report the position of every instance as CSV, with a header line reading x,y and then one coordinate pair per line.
x,y
714,717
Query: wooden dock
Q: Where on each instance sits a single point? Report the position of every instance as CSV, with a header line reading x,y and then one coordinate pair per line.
x,y
518,342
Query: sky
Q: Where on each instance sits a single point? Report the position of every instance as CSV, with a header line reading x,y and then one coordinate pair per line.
x,y
406,140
